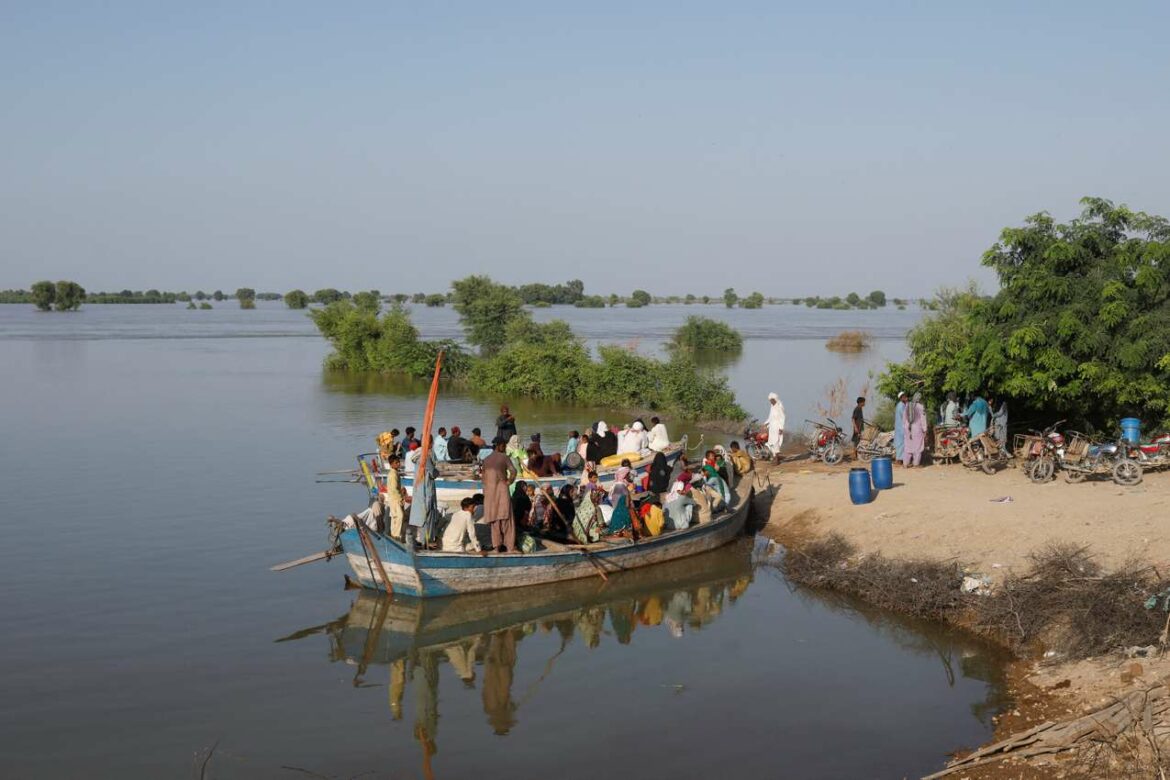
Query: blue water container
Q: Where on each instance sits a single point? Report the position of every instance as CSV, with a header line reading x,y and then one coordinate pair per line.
x,y
1131,429
883,473
860,491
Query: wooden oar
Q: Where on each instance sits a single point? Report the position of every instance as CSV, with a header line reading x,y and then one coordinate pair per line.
x,y
321,556
364,534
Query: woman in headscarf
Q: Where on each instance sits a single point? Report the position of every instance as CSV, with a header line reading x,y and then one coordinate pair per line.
x,y
900,427
659,474
713,478
620,521
562,517
521,504
775,425
593,442
607,443
587,522
915,432
516,453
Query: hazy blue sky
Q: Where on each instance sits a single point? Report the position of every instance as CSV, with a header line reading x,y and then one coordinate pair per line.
x,y
790,148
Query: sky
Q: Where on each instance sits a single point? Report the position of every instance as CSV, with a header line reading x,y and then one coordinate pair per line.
x,y
790,148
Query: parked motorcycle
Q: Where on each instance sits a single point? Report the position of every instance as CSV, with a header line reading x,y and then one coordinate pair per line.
x,y
984,452
1082,458
826,441
1037,450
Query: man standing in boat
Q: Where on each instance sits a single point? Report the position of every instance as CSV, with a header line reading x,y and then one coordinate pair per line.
x,y
498,474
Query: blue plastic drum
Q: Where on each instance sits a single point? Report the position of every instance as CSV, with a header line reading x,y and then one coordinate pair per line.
x,y
1131,429
860,491
883,473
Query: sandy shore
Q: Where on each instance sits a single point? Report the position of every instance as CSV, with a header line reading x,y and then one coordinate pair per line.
x,y
951,513
946,512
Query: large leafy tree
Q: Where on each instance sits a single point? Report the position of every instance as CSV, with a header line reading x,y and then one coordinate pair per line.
x,y
68,296
1080,327
486,310
296,299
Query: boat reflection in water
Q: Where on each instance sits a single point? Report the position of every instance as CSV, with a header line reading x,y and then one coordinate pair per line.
x,y
477,634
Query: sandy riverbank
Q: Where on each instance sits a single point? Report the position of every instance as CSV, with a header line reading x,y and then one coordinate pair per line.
x,y
949,513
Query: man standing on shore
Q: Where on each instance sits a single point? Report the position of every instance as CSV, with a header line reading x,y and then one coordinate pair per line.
x,y
498,474
775,425
858,423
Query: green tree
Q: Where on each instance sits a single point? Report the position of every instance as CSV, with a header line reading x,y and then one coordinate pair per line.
x,y
590,302
1080,327
486,309
853,299
614,300
69,296
877,298
191,304
218,295
327,296
44,293
689,299
753,301
200,295
399,298
706,299
729,297
638,298
247,297
296,299
183,296
205,305
699,333
435,300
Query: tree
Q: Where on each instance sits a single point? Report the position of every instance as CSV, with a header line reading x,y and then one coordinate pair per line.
x,y
729,297
699,333
638,298
218,295
877,298
1080,327
486,309
435,300
614,300
706,299
44,293
400,298
191,304
183,296
418,298
200,295
853,299
204,305
247,297
327,296
68,296
689,299
753,301
591,302
296,299
367,301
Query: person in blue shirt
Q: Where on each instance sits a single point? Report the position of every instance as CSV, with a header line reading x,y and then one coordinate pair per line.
x,y
977,415
574,440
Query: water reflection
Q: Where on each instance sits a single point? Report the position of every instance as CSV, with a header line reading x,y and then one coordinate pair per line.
x,y
479,636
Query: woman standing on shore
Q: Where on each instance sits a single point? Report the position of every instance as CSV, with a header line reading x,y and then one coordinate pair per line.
x,y
915,432
900,427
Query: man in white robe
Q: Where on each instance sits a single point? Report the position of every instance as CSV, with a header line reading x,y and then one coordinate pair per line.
x,y
775,425
659,438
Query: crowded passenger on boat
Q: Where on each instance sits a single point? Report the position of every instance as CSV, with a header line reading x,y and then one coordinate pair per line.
x,y
532,500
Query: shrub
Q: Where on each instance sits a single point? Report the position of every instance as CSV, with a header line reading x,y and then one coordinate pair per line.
x,y
850,341
485,310
699,333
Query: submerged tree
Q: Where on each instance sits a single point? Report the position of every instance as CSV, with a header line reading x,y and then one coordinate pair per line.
x,y
729,297
68,296
296,299
43,295
1080,327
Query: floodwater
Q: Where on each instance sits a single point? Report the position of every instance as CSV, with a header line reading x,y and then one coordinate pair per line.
x,y
156,461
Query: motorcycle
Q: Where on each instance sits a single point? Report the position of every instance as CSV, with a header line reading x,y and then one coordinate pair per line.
x,y
755,442
1038,451
1082,458
826,442
984,452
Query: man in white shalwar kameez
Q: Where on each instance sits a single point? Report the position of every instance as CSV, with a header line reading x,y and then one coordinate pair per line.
x,y
775,425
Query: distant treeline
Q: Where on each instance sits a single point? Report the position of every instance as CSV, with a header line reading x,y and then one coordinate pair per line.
x,y
571,293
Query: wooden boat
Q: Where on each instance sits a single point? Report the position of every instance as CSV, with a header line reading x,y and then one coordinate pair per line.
x,y
456,482
381,629
430,573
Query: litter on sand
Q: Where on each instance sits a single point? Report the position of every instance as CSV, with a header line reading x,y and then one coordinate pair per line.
x,y
1001,500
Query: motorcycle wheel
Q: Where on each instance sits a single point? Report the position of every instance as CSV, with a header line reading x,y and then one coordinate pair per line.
x,y
967,455
1042,470
834,453
754,452
1127,472
1074,477
987,464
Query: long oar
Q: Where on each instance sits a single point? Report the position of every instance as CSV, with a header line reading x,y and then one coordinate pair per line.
x,y
364,534
321,556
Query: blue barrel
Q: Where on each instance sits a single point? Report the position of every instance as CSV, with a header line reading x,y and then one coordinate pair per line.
x,y
860,491
883,473
1131,429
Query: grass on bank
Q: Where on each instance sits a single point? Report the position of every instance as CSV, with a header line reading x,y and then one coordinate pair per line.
x,y
1065,601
